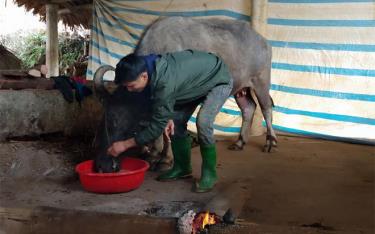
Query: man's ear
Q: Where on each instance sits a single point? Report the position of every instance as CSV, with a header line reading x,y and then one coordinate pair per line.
x,y
144,75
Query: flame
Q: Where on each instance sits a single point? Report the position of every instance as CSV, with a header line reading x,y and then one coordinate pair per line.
x,y
203,219
208,220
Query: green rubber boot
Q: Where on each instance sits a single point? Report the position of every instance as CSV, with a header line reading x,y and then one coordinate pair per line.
x,y
181,169
208,174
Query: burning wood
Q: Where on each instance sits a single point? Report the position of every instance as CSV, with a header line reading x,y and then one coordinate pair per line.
x,y
203,219
225,208
192,223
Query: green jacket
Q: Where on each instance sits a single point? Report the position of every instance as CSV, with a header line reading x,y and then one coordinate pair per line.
x,y
179,78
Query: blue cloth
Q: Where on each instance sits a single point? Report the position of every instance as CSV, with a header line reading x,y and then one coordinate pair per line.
x,y
150,63
82,91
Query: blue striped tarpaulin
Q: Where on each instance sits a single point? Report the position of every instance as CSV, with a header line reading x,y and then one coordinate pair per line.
x,y
323,68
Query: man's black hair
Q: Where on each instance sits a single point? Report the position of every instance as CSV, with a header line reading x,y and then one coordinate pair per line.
x,y
129,68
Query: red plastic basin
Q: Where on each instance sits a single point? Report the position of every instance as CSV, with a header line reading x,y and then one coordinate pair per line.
x,y
130,177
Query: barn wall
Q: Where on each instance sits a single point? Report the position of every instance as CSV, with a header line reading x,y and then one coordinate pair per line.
x,y
33,112
323,77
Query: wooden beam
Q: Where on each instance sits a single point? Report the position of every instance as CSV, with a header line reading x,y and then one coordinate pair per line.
x,y
231,197
57,1
259,14
36,83
54,1
76,9
49,220
52,50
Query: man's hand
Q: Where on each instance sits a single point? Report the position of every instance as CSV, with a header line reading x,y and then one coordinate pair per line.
x,y
169,130
120,146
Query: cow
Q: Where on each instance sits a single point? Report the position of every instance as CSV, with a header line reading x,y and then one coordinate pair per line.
x,y
124,114
247,54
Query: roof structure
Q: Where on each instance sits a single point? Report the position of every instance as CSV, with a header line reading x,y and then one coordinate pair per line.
x,y
72,12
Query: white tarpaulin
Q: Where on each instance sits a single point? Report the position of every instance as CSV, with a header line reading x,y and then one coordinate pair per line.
x,y
323,70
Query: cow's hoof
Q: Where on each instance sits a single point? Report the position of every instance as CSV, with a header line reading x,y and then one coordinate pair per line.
x,y
271,144
153,165
162,167
235,147
268,148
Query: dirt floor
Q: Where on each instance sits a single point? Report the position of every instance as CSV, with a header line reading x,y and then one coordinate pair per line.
x,y
321,185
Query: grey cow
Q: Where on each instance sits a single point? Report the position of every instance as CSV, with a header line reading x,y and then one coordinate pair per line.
x,y
245,52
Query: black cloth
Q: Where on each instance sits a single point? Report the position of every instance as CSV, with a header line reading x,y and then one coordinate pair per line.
x,y
66,86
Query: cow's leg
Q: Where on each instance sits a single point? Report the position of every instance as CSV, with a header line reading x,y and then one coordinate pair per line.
x,y
166,156
159,144
247,106
153,152
266,103
159,154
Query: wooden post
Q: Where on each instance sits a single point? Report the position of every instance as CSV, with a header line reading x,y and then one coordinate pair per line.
x,y
258,23
259,15
52,50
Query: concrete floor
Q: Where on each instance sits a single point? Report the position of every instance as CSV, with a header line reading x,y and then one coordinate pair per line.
x,y
308,182
321,185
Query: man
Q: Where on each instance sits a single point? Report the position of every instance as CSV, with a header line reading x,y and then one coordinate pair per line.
x,y
177,83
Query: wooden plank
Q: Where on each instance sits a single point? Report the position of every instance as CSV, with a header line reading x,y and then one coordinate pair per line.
x,y
231,197
13,74
48,220
37,83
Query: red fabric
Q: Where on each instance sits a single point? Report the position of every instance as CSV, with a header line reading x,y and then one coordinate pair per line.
x,y
79,79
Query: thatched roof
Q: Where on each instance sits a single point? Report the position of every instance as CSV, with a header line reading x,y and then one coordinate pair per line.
x,y
71,12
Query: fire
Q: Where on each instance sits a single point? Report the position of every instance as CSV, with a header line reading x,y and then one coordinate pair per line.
x,y
208,219
203,219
